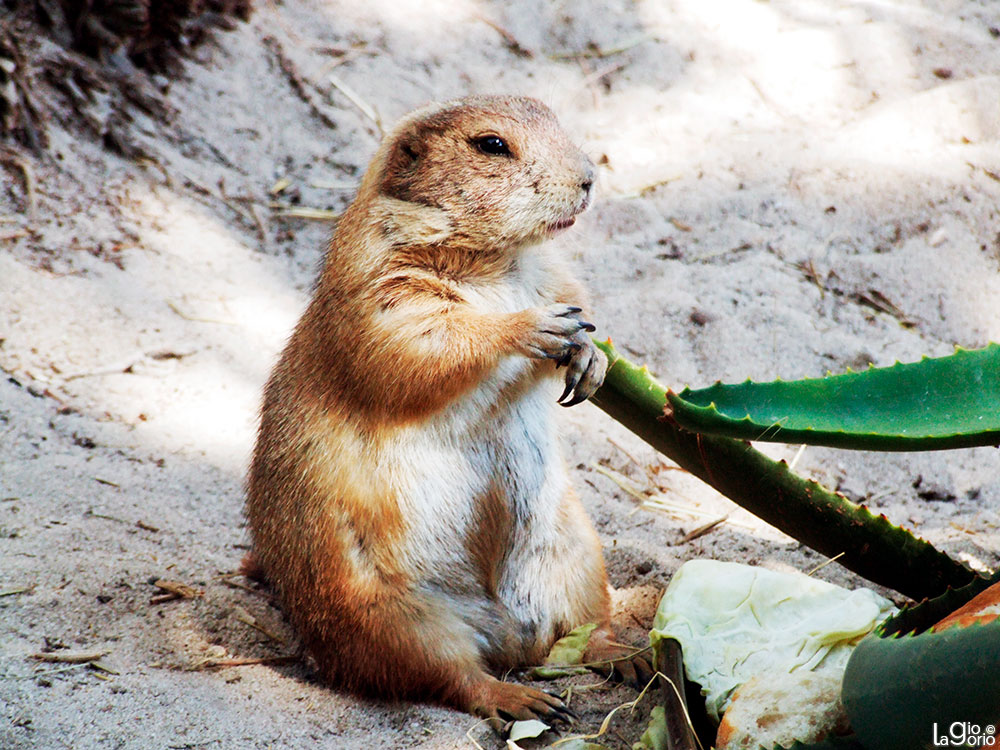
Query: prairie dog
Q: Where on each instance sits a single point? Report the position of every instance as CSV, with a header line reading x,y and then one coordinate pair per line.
x,y
407,498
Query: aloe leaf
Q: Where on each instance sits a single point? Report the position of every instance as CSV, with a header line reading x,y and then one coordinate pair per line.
x,y
948,402
904,692
828,522
897,686
919,617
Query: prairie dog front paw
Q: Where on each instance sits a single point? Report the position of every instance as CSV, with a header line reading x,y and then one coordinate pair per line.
x,y
551,332
585,371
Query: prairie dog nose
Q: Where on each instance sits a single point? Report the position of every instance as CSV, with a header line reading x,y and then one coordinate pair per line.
x,y
587,178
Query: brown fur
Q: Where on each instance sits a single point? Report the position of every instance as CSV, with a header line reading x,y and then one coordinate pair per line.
x,y
406,497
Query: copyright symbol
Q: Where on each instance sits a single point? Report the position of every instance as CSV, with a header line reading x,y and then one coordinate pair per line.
x,y
990,729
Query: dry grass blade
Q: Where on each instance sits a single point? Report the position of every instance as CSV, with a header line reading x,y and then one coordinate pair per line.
x,y
248,619
621,481
100,665
646,469
594,76
877,301
509,40
334,185
468,733
70,657
594,51
663,506
14,592
174,590
627,455
702,530
644,190
651,501
366,109
238,585
94,514
825,563
306,212
179,588
798,455
247,662
196,319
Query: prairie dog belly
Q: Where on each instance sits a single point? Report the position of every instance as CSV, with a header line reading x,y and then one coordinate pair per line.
x,y
481,485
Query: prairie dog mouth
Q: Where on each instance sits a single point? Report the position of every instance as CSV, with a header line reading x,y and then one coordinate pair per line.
x,y
558,226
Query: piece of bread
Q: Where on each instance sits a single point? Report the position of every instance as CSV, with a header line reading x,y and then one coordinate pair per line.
x,y
779,708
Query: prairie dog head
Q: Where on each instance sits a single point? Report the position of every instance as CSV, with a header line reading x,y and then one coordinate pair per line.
x,y
485,171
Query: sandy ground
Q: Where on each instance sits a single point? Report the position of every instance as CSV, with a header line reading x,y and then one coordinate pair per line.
x,y
768,167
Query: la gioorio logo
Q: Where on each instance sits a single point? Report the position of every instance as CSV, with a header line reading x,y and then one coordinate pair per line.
x,y
965,734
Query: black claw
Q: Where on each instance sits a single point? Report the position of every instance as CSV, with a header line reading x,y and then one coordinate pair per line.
x,y
588,327
571,310
569,389
564,714
562,711
569,712
578,398
572,381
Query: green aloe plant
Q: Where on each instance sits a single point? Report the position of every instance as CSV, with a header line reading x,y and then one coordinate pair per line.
x,y
828,522
906,684
948,402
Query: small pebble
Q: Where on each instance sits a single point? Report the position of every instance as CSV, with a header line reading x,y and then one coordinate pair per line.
x,y
938,238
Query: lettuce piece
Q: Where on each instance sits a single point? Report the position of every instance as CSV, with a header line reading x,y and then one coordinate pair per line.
x,y
735,621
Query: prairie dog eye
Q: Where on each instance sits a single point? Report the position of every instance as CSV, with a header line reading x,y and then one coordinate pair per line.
x,y
491,145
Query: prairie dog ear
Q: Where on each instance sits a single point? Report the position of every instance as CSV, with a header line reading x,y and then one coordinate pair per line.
x,y
401,166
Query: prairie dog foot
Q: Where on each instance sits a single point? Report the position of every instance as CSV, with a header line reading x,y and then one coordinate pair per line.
x,y
586,367
616,660
500,702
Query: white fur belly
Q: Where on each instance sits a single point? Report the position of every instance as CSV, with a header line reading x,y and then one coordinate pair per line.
x,y
489,440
